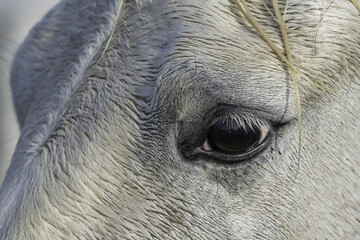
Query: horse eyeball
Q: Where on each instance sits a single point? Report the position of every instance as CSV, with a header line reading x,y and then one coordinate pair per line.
x,y
233,137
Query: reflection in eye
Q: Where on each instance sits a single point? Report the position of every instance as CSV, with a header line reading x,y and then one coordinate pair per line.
x,y
233,136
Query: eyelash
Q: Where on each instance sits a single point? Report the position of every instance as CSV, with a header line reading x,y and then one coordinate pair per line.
x,y
253,121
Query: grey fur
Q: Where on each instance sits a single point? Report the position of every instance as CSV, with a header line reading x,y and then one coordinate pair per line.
x,y
102,136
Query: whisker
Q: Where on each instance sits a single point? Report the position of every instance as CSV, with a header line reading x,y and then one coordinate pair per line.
x,y
267,170
256,172
230,185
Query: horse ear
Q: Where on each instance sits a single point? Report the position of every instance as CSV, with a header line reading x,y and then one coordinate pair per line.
x,y
55,50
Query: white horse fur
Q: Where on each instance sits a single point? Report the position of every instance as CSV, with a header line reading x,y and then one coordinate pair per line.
x,y
110,97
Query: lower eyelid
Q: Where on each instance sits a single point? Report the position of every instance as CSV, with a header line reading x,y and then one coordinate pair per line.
x,y
217,157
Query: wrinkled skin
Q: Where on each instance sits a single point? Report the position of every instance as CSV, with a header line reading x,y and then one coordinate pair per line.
x,y
105,134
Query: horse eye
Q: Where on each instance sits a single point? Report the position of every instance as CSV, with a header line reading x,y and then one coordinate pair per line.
x,y
233,137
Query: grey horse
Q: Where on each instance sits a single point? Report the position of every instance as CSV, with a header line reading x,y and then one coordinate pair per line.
x,y
181,119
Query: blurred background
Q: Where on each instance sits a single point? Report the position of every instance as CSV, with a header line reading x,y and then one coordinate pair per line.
x,y
16,19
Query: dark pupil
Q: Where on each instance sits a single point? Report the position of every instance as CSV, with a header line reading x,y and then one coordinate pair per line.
x,y
229,136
